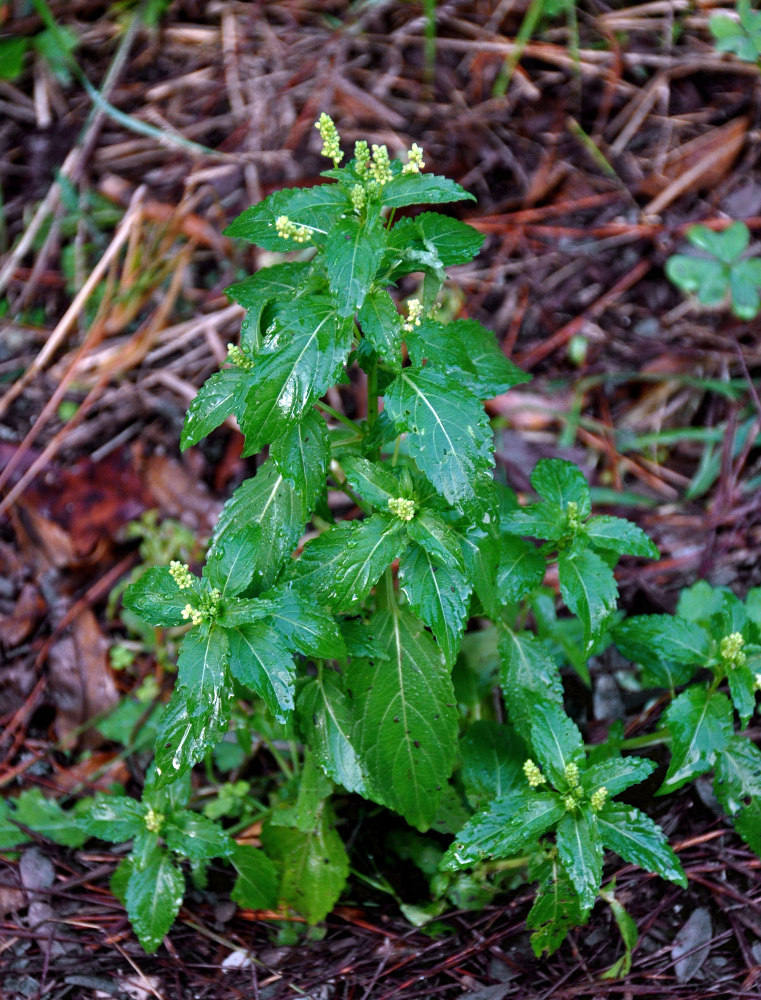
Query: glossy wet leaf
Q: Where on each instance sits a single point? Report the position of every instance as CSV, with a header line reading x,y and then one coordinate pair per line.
x,y
588,587
262,663
439,595
202,663
619,535
528,674
405,717
638,840
701,726
196,838
448,435
382,326
581,851
327,720
221,395
492,763
156,598
257,883
353,251
189,728
153,898
302,456
422,189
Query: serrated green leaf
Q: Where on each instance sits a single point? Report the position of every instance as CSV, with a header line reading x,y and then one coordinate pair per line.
x,y
439,595
580,849
277,282
748,824
556,909
202,663
153,898
521,569
437,537
506,827
196,838
700,602
620,535
256,885
371,481
589,590
405,718
314,866
663,640
448,435
422,189
156,598
221,395
555,740
560,482
353,251
382,326
302,456
536,520
492,763
528,673
640,841
616,774
228,566
114,818
297,364
742,688
345,562
455,242
188,729
261,662
738,774
327,720
304,627
470,348
318,208
268,502
481,552
701,726
46,817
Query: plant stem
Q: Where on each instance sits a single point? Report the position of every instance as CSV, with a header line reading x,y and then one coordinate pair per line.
x,y
338,416
647,740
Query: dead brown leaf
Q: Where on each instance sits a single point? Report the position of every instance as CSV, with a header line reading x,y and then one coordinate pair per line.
x,y
80,683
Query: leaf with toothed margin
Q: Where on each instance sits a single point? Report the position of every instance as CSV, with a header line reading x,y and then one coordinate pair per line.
x,y
439,595
303,625
202,663
277,282
297,364
318,207
353,251
528,673
422,189
345,562
589,589
302,456
638,840
221,395
156,598
701,726
153,898
504,828
448,436
275,514
405,718
382,326
189,729
327,723
262,663
581,851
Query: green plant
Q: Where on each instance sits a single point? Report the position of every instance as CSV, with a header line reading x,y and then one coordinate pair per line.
x,y
725,272
742,35
347,655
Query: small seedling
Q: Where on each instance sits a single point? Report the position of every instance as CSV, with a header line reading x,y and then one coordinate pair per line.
x,y
722,272
741,35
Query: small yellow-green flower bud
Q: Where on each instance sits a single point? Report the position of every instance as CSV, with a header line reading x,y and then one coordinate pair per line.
x,y
153,820
181,574
414,312
193,615
572,774
331,140
380,168
403,508
235,356
572,513
597,799
415,162
288,230
571,803
358,197
534,776
361,157
730,650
